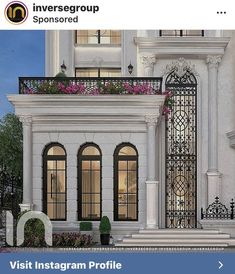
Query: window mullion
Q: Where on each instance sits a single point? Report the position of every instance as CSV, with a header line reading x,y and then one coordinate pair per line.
x,y
98,36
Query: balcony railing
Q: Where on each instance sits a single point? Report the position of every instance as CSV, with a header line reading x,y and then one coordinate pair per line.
x,y
217,210
90,86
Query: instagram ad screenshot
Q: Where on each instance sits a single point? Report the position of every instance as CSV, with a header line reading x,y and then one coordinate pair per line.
x,y
117,137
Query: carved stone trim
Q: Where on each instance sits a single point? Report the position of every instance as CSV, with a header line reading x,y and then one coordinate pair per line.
x,y
151,120
180,66
148,60
213,61
26,120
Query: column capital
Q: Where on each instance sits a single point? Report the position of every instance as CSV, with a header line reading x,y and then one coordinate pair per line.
x,y
148,60
151,120
213,61
26,120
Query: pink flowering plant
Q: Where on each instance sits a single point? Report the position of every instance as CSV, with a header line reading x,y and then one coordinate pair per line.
x,y
67,87
99,88
168,104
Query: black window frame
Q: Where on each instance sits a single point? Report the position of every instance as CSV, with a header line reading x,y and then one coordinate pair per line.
x,y
181,34
81,158
45,158
99,37
116,160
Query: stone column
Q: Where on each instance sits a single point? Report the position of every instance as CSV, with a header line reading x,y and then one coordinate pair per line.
x,y
27,163
213,175
151,183
148,62
52,53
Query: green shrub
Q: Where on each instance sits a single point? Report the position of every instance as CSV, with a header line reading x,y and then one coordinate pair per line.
x,y
85,226
70,239
34,234
105,226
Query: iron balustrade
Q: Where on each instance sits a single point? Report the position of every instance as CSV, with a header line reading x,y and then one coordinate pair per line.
x,y
217,210
39,85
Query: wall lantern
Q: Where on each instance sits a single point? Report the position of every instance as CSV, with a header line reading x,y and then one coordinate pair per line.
x,y
63,67
130,68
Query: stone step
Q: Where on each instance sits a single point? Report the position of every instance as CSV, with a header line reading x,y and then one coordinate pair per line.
x,y
178,237
181,236
174,240
167,244
178,231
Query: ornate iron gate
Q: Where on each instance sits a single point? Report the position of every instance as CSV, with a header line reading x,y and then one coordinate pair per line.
x,y
181,150
10,197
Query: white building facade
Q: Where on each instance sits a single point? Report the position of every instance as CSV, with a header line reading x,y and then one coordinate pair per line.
x,y
176,166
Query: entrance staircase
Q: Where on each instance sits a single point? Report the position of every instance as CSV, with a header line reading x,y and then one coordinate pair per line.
x,y
177,238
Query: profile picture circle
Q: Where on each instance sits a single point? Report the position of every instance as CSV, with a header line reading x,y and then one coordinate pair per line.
x,y
16,12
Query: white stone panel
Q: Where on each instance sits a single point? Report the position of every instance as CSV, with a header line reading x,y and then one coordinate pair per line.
x,y
107,138
41,138
72,138
54,136
38,149
107,193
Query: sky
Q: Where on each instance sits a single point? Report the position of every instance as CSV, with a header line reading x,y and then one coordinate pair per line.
x,y
22,53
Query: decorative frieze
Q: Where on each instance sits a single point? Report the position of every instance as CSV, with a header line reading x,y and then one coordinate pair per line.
x,y
180,66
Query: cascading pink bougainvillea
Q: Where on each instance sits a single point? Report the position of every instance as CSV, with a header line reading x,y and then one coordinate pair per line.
x,y
168,105
65,87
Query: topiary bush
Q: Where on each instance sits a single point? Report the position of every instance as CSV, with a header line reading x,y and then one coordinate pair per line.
x,y
105,226
85,226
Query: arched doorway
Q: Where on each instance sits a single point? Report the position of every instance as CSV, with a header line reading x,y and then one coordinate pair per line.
x,y
181,150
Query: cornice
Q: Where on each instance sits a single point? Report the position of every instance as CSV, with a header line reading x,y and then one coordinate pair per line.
x,y
87,106
200,47
74,99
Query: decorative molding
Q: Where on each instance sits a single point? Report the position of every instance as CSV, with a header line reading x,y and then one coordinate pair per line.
x,y
213,61
151,120
26,120
180,66
63,113
199,47
148,60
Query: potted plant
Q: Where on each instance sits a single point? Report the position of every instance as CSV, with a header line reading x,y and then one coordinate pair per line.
x,y
86,228
105,228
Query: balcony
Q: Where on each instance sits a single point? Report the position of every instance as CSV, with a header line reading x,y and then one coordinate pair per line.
x,y
90,86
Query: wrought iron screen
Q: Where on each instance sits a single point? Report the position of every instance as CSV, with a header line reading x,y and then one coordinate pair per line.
x,y
181,151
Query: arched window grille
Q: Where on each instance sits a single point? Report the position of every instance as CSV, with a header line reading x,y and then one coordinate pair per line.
x,y
181,151
89,182
54,182
125,183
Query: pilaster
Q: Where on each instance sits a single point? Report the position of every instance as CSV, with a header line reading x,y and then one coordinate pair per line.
x,y
27,163
152,187
213,174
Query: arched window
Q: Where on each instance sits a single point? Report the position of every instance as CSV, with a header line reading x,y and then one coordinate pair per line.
x,y
89,182
125,183
54,182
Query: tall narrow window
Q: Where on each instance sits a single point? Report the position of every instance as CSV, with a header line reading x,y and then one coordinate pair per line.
x,y
125,183
54,182
89,182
